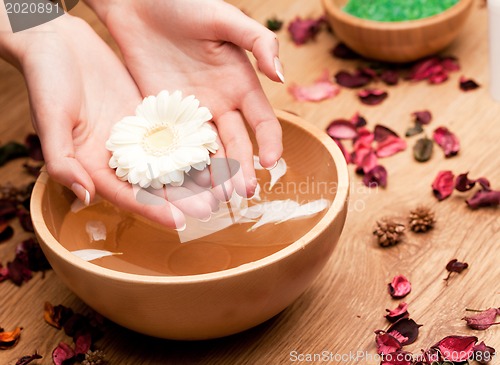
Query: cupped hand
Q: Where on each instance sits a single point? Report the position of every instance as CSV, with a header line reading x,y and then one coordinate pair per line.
x,y
78,90
197,46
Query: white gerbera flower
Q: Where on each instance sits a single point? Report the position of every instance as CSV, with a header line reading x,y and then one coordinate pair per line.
x,y
167,137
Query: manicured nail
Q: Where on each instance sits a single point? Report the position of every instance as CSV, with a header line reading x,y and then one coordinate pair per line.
x,y
279,69
81,193
273,166
181,228
204,220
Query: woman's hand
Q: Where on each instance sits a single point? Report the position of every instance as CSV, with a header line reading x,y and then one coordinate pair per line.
x,y
197,46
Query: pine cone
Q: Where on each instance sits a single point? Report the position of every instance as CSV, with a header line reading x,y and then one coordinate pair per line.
x,y
421,219
388,232
94,358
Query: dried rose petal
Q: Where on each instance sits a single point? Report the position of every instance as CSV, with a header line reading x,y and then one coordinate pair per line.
x,y
346,154
8,210
303,30
397,358
83,341
62,353
422,150
376,177
463,183
423,69
399,287
407,328
25,220
390,77
34,147
482,353
447,140
381,133
9,339
467,84
390,146
386,343
372,96
352,81
398,336
321,89
401,311
484,198
456,348
456,266
358,120
438,77
342,129
18,272
423,117
450,63
25,360
33,170
364,158
364,139
31,255
443,184
6,231
344,52
4,273
56,316
483,320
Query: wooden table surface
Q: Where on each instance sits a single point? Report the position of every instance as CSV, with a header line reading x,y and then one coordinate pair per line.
x,y
346,303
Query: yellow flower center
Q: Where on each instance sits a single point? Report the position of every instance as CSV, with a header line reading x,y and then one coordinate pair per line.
x,y
159,140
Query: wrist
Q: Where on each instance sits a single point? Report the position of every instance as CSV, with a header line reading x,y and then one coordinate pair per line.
x,y
103,7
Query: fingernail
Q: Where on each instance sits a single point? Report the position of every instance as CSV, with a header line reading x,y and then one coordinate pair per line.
x,y
181,228
204,220
81,193
273,166
279,69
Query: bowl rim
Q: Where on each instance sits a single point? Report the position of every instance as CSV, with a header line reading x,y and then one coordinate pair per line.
x,y
331,214
337,13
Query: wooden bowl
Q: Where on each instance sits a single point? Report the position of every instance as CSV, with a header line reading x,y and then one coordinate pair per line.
x,y
219,303
397,41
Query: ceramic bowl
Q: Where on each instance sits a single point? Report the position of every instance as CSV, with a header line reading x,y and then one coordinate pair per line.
x,y
397,41
216,304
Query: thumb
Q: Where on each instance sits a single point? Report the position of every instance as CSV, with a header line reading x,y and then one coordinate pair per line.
x,y
236,27
56,137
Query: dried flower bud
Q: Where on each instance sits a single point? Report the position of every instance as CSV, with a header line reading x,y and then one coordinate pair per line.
x,y
421,219
388,232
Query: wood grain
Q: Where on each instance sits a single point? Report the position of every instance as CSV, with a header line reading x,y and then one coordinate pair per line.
x,y
339,312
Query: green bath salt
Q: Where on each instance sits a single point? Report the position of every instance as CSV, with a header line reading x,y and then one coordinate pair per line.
x,y
396,10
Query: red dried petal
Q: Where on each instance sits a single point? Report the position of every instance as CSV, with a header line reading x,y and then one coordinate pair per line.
x,y
390,146
390,77
364,139
62,353
484,198
482,353
365,158
18,272
358,120
483,320
447,140
450,63
443,184
398,336
456,348
83,342
352,80
321,89
401,311
397,358
463,183
407,328
386,343
467,84
380,133
456,266
376,177
25,360
342,129
346,154
423,69
303,30
423,117
34,147
6,231
344,52
8,210
438,77
25,220
399,287
372,96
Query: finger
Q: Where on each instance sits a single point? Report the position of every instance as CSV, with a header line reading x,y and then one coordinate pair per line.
x,y
234,26
202,193
234,136
56,137
122,194
222,186
201,178
260,116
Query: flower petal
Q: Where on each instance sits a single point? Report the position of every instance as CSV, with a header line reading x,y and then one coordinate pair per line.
x,y
322,89
390,146
342,129
376,177
467,84
443,184
303,30
447,141
456,348
372,96
352,80
399,287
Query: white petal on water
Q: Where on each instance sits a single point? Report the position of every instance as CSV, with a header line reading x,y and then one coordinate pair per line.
x,y
78,205
91,254
256,195
256,163
96,230
277,172
307,210
275,211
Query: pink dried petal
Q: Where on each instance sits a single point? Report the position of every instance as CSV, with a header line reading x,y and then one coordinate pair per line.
x,y
423,117
372,96
450,63
398,336
390,146
352,81
456,348
342,129
447,140
467,84
423,69
407,328
443,184
401,311
62,353
321,89
390,77
438,77
83,341
376,177
368,71
344,52
358,120
364,139
399,287
483,320
482,353
380,133
346,154
303,30
484,198
397,358
386,343
365,158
